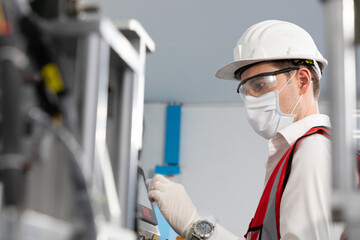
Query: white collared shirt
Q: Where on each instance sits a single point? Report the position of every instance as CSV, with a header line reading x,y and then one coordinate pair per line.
x,y
305,205
305,210
282,141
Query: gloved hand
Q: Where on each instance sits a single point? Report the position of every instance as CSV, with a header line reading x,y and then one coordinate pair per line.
x,y
174,204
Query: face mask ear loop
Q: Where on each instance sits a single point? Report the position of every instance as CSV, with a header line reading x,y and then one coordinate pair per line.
x,y
287,82
296,104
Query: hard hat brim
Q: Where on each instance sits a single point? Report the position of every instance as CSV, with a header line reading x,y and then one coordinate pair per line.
x,y
227,71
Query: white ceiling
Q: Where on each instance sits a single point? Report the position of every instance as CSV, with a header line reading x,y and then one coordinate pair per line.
x,y
194,38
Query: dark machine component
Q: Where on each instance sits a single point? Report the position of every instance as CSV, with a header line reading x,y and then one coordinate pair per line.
x,y
50,86
14,98
12,161
62,8
47,9
357,21
145,210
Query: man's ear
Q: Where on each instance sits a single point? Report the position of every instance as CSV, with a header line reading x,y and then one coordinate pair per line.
x,y
304,82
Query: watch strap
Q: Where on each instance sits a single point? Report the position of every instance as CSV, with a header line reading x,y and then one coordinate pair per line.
x,y
191,234
193,237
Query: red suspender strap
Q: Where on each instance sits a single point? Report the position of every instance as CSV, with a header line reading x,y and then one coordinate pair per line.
x,y
262,206
285,174
256,224
278,180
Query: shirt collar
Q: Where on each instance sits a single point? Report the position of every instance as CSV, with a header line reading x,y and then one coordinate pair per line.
x,y
294,131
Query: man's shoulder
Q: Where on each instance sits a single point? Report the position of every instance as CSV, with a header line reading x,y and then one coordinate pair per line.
x,y
313,150
315,140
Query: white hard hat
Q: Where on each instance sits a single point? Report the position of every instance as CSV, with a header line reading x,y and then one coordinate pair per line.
x,y
272,40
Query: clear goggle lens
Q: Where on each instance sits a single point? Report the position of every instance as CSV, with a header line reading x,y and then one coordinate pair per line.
x,y
257,86
260,84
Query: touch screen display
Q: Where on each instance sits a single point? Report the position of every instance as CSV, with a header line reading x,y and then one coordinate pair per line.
x,y
142,191
145,210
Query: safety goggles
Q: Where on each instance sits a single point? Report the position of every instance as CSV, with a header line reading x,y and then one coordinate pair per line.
x,y
260,84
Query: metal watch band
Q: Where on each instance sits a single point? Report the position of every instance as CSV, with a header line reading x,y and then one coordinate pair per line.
x,y
194,237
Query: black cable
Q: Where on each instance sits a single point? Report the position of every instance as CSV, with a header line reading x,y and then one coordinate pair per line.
x,y
69,141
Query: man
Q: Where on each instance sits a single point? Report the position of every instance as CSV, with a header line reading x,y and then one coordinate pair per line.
x,y
279,68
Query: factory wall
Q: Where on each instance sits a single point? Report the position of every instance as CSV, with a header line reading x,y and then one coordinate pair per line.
x,y
222,159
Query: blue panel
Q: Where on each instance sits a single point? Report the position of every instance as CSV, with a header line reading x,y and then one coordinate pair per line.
x,y
167,170
165,230
164,227
172,141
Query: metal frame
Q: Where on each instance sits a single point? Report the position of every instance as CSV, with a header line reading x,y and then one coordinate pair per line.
x,y
99,37
339,17
143,44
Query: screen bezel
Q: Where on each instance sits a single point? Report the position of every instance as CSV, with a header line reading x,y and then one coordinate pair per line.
x,y
141,208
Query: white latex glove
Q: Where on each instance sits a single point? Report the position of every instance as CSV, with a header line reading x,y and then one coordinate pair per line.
x,y
174,204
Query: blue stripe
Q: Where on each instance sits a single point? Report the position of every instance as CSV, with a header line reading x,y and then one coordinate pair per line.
x,y
167,170
172,141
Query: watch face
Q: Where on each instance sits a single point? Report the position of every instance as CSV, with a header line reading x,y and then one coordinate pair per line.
x,y
203,229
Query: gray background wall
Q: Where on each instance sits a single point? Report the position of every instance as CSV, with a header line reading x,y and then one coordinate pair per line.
x,y
195,38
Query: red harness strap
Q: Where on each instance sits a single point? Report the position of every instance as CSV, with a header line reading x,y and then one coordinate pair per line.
x,y
276,185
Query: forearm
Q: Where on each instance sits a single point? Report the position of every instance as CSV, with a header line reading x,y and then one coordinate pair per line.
x,y
221,233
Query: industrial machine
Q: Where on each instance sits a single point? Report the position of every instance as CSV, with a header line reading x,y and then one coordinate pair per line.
x,y
71,122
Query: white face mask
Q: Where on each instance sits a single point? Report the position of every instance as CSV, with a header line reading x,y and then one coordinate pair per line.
x,y
264,113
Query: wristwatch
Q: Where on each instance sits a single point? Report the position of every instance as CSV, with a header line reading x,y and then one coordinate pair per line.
x,y
201,229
